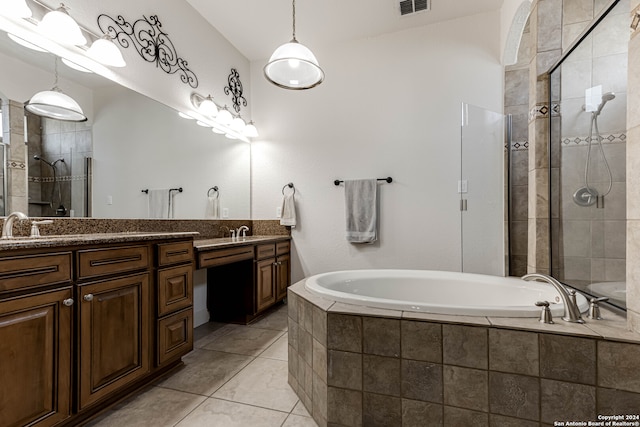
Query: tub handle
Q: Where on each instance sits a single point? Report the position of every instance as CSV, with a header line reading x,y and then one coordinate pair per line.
x,y
594,308
545,315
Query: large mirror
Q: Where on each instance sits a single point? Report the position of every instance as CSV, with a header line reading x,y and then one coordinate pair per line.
x,y
129,144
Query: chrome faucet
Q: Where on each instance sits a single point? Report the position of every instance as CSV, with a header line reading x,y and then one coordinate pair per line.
x,y
7,228
242,230
571,310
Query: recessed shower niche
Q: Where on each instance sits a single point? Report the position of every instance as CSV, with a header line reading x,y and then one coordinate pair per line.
x,y
588,159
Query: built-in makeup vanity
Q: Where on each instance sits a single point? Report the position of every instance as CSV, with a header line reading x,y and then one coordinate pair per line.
x,y
87,319
245,276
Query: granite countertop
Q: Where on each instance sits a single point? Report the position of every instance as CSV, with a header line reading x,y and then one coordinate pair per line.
x,y
23,242
221,242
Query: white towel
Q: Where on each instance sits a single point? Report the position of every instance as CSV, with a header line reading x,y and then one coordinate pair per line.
x,y
360,197
213,208
288,215
159,204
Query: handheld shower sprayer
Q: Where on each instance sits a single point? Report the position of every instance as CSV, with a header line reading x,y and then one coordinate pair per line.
x,y
609,96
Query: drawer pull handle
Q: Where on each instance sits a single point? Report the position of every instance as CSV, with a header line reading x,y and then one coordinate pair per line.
x,y
88,297
176,253
100,262
68,302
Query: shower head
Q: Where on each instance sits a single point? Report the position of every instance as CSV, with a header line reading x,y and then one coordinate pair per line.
x,y
37,157
606,97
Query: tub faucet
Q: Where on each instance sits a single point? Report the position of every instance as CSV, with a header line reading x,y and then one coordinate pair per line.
x,y
7,228
571,310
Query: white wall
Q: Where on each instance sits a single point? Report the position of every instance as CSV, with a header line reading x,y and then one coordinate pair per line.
x,y
390,105
139,144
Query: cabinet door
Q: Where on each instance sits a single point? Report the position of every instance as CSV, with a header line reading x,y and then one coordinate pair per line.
x,y
113,335
283,275
265,282
35,355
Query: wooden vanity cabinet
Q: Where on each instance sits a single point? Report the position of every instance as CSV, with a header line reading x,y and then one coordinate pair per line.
x,y
272,274
35,344
174,322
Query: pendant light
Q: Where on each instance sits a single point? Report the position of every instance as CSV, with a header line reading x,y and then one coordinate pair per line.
x,y
293,65
55,105
105,51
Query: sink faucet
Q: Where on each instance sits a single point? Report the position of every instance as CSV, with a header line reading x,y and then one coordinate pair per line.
x,y
571,310
242,230
7,228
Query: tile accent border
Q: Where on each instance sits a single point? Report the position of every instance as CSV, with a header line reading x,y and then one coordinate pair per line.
x,y
355,366
617,138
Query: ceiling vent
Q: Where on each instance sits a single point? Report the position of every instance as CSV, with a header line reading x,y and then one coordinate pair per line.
x,y
408,7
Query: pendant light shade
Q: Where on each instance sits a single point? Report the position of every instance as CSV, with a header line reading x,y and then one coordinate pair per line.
x,y
55,105
106,52
293,65
61,27
250,131
224,116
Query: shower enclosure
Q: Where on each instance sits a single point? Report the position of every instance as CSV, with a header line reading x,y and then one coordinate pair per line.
x,y
588,159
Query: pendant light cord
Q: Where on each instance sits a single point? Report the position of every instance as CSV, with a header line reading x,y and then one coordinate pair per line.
x,y
55,72
294,20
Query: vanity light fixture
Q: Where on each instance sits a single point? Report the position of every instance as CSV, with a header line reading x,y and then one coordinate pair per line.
x,y
106,52
238,124
185,116
16,8
204,105
224,116
293,65
60,26
55,105
250,130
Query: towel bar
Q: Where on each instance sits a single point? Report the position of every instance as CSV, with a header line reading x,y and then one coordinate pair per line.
x,y
215,190
388,179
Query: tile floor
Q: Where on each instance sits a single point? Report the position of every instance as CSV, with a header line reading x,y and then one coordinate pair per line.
x,y
235,376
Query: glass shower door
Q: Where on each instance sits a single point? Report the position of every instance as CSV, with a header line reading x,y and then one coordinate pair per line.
x,y
482,191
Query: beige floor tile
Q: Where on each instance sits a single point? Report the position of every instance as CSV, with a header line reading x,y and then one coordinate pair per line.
x,y
276,320
158,407
299,421
212,336
221,413
262,383
299,409
205,371
244,340
278,350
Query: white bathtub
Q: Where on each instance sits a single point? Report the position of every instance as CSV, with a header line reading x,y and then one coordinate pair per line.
x,y
439,292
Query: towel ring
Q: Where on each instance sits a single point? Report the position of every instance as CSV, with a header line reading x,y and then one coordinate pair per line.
x,y
215,190
290,185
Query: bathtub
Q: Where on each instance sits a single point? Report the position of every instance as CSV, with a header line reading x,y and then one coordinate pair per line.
x,y
439,292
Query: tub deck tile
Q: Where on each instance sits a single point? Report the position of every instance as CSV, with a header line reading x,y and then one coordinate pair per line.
x,y
532,324
446,318
362,310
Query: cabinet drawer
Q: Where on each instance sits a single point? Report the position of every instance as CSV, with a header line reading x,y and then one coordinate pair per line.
x,y
175,335
174,253
98,262
175,289
224,256
283,248
35,270
265,251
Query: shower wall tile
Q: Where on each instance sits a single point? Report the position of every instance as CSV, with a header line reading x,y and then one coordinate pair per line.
x,y
615,207
519,230
566,401
516,84
465,346
633,172
577,11
518,265
576,77
611,38
520,168
610,72
615,239
570,33
577,238
633,85
538,193
598,272
615,270
519,205
568,358
549,25
576,268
